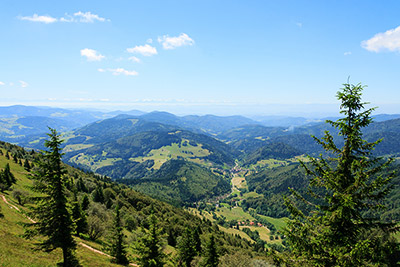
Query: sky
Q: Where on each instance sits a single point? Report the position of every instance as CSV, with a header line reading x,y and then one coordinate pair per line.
x,y
199,57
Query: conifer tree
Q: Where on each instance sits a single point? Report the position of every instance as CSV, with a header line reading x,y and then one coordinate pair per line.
x,y
118,248
186,248
27,166
7,176
98,194
197,240
211,257
336,232
51,212
85,202
79,217
149,247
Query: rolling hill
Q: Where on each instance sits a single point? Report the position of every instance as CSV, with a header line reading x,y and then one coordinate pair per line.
x,y
134,156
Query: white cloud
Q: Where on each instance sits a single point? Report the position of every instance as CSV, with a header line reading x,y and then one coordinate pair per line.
x,y
84,17
23,84
91,55
389,40
145,50
348,53
174,42
37,18
2,83
119,71
88,17
134,59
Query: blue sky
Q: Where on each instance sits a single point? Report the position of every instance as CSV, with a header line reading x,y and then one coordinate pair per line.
x,y
221,57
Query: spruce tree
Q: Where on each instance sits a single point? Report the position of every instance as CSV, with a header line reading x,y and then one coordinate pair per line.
x,y
118,250
335,231
8,176
149,247
98,194
211,257
27,166
186,248
79,217
85,202
51,212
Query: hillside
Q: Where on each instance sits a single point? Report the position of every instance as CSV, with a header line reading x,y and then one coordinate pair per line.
x,y
181,182
102,195
272,185
134,156
279,151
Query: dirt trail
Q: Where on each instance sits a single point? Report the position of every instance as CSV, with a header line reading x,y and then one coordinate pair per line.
x,y
80,243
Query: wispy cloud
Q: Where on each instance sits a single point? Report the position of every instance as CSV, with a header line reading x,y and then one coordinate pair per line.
x,y
83,17
23,84
134,59
120,71
91,55
384,41
2,83
88,17
36,18
348,53
173,42
144,50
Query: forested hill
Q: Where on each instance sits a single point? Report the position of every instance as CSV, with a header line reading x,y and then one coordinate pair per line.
x,y
181,182
149,149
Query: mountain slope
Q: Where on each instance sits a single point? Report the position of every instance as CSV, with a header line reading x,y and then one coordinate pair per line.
x,y
119,158
180,182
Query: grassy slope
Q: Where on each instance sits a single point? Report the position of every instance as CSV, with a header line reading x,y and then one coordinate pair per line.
x,y
17,251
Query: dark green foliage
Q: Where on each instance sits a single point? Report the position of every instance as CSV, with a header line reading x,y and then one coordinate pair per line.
x,y
336,233
273,184
27,166
80,185
98,195
51,213
186,248
118,248
272,151
179,182
85,202
149,246
171,238
7,179
197,240
210,257
80,218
